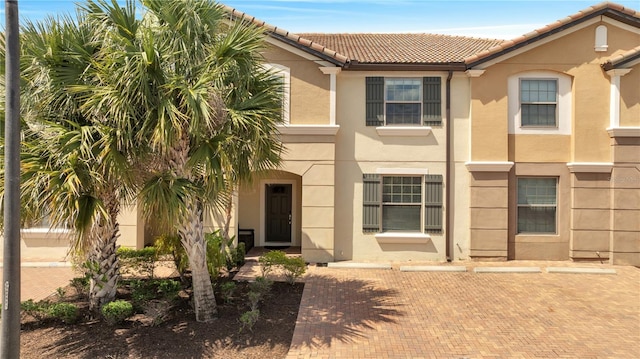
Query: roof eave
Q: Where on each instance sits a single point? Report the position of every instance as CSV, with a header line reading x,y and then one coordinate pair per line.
x,y
299,46
622,63
436,66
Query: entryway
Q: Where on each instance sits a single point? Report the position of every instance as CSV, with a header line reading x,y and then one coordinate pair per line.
x,y
278,213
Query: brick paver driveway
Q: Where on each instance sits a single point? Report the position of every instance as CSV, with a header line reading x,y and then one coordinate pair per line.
x,y
366,313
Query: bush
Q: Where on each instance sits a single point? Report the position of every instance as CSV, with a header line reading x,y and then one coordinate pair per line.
x,y
168,289
261,285
227,290
117,311
271,259
37,310
137,262
81,285
66,312
294,268
249,319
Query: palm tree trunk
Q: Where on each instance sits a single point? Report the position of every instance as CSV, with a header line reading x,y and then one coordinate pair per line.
x,y
104,267
192,237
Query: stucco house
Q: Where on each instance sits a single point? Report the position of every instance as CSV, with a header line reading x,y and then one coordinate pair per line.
x,y
428,147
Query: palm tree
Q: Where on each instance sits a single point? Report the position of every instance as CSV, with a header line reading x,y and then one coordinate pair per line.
x,y
188,84
73,173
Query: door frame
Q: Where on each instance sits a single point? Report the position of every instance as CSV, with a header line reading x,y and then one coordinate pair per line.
x,y
263,212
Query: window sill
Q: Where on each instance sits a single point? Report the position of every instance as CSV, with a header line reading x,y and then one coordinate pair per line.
x,y
309,130
402,237
624,131
404,131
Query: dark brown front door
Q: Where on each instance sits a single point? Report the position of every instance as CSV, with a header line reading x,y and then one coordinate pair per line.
x,y
278,213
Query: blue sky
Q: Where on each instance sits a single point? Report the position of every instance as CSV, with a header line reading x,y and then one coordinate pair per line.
x,y
490,19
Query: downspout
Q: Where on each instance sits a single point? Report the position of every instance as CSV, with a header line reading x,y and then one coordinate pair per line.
x,y
447,195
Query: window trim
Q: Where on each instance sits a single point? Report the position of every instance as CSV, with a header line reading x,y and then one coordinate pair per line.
x,y
419,101
563,108
518,206
521,102
419,204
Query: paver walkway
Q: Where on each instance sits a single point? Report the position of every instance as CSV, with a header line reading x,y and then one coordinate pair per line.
x,y
365,313
38,281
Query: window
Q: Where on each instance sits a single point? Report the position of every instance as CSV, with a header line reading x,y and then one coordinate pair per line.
x,y
402,203
409,101
537,203
538,102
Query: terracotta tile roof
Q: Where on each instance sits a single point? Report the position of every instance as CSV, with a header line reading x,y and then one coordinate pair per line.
x,y
621,59
403,48
289,37
604,8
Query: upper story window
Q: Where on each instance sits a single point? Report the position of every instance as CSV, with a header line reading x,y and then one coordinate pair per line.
x,y
410,101
285,75
538,102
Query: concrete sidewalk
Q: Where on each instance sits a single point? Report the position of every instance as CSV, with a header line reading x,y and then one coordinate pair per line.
x,y
378,313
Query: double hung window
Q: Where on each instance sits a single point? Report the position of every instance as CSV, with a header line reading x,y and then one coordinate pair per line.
x,y
537,205
410,101
539,102
402,203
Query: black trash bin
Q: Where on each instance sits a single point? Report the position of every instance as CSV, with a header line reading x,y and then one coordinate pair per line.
x,y
246,236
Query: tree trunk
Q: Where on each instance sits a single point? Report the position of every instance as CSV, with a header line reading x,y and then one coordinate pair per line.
x,y
104,267
192,238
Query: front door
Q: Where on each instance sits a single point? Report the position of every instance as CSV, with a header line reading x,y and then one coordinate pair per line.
x,y
278,213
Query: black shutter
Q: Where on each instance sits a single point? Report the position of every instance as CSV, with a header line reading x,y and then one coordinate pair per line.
x,y
433,203
375,101
371,204
431,101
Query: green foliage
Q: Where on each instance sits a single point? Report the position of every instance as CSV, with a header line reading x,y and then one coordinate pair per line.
x,y
36,310
216,259
293,267
227,290
60,292
170,245
137,262
238,254
270,260
66,312
261,285
254,299
143,291
249,319
81,285
117,311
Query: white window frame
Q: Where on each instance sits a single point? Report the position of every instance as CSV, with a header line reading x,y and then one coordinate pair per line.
x,y
555,102
564,113
419,101
518,205
285,72
419,204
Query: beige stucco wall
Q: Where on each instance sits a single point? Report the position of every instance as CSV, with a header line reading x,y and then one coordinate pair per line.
x,y
360,149
309,89
489,210
574,56
630,97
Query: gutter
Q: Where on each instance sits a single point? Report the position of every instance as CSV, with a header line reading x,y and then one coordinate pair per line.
x,y
447,186
354,65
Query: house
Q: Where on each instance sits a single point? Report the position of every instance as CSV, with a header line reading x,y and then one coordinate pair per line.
x,y
428,147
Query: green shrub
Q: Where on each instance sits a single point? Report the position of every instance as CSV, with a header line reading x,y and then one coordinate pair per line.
x,y
294,268
227,290
254,299
249,319
270,260
216,259
117,311
261,285
238,254
137,262
168,288
141,291
66,312
36,310
81,285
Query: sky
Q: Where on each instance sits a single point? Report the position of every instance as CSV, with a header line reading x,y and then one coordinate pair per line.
x,y
503,19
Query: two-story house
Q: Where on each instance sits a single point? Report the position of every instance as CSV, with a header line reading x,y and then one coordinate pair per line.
x,y
423,147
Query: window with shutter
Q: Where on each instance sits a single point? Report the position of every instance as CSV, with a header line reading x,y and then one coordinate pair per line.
x,y
403,101
433,204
